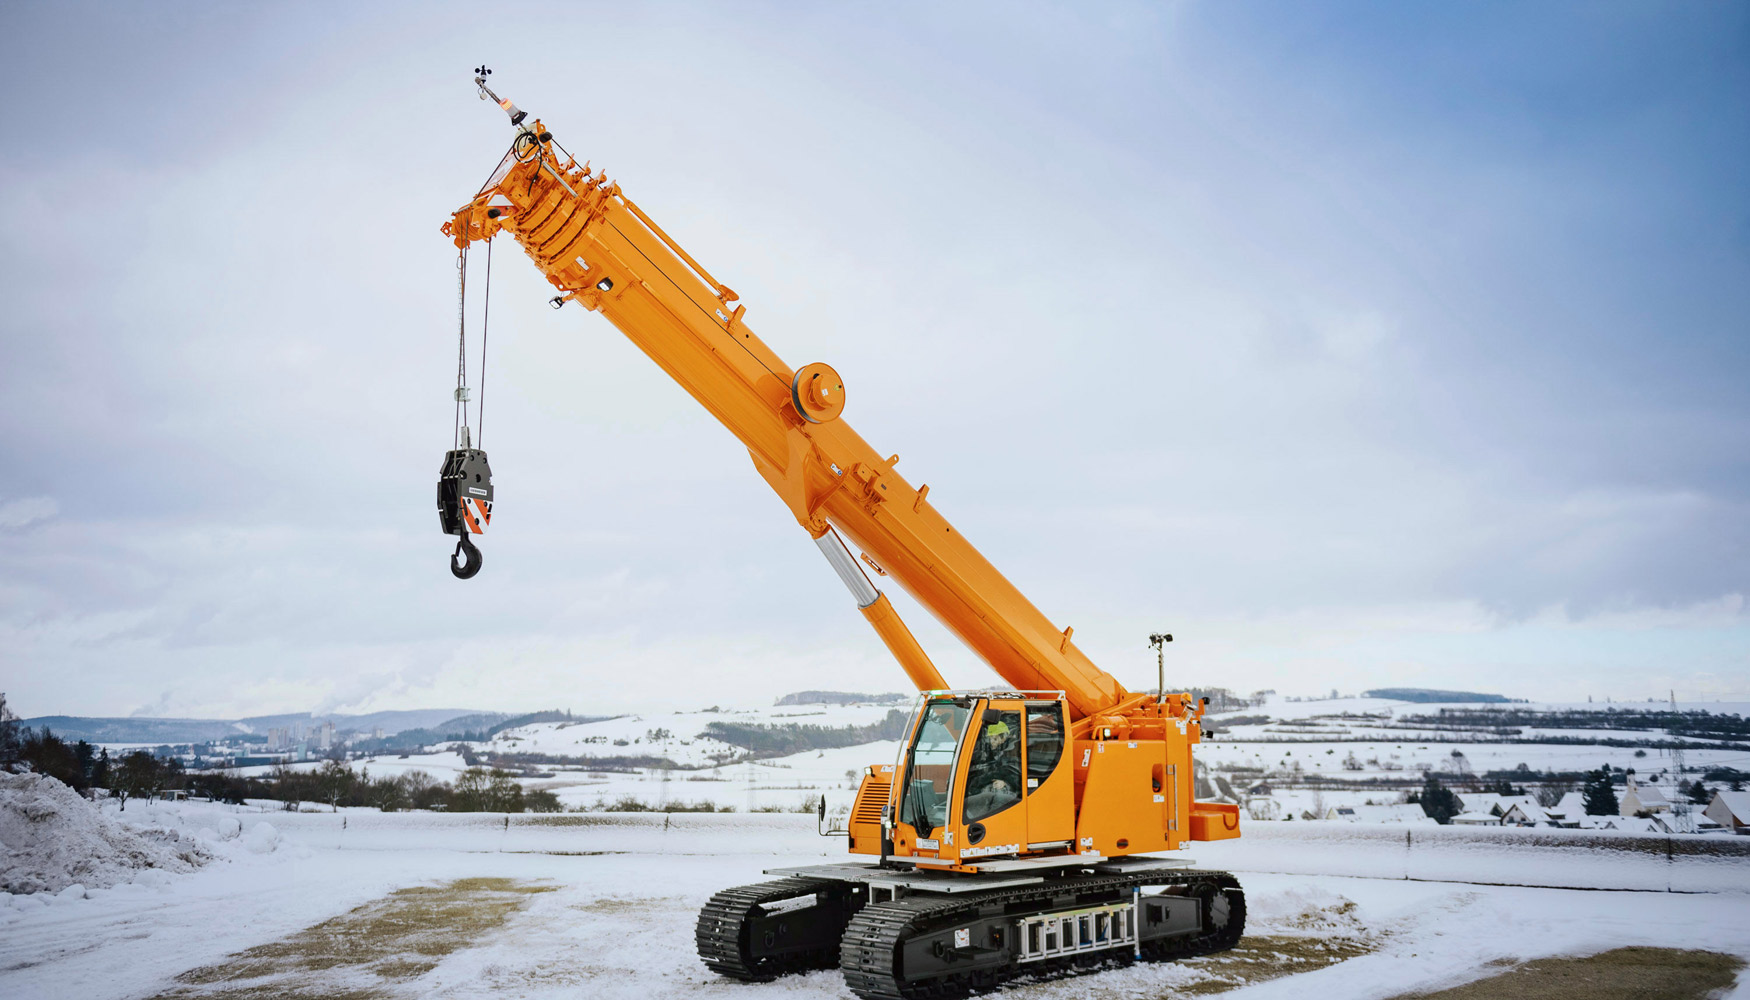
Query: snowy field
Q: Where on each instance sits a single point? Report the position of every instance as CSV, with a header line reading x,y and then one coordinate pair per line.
x,y
783,784
551,906
1303,739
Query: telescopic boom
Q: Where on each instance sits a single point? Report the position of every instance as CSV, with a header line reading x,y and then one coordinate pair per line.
x,y
600,250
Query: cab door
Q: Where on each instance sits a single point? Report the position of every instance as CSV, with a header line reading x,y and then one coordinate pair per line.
x,y
928,776
993,807
1050,777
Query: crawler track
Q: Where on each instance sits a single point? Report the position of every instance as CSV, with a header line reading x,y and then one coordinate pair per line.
x,y
739,937
875,945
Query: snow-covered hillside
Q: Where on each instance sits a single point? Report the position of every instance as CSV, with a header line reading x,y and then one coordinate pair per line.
x,y
1315,756
1355,739
673,736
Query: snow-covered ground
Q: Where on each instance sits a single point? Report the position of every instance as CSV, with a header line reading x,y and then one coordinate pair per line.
x,y
626,889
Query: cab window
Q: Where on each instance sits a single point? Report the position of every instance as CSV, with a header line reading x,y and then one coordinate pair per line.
x,y
1044,741
925,805
993,782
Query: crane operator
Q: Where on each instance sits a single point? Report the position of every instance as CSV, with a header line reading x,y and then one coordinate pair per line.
x,y
994,781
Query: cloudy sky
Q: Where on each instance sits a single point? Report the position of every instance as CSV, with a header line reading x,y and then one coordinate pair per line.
x,y
1356,344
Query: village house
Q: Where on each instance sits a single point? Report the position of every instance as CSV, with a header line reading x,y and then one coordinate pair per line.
x,y
1569,813
1489,808
1401,813
1525,814
1476,819
1521,810
1643,799
1731,810
1632,824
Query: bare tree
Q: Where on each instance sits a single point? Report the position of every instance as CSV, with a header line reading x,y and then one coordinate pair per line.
x,y
10,745
335,780
423,791
391,793
1553,792
471,790
1227,789
138,777
506,795
285,782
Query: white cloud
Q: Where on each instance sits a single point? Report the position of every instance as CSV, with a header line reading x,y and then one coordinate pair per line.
x,y
18,513
1172,346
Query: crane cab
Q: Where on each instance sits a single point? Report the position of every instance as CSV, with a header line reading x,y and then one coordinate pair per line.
x,y
991,776
980,775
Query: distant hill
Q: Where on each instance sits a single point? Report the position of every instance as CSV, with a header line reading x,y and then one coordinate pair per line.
x,y
1430,695
155,731
776,741
841,698
74,727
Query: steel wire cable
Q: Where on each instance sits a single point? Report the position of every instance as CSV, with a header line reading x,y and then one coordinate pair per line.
x,y
461,344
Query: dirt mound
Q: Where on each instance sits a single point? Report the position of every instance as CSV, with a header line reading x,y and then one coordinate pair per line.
x,y
51,838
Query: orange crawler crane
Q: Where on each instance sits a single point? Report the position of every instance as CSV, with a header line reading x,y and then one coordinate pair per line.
x,y
1012,835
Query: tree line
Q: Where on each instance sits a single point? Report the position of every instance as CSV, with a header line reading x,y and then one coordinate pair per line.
x,y
142,775
1694,724
81,766
334,784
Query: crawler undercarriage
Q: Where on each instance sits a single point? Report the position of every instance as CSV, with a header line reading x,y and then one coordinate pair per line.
x,y
915,934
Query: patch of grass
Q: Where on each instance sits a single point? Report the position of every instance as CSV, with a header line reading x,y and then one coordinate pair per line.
x,y
619,906
1643,973
360,954
1259,957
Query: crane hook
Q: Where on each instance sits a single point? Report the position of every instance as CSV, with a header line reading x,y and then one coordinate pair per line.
x,y
464,571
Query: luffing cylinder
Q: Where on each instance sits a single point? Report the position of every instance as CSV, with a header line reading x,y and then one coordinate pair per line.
x,y
902,644
847,569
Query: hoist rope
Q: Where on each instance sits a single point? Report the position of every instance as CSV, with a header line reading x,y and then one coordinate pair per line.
x,y
461,344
